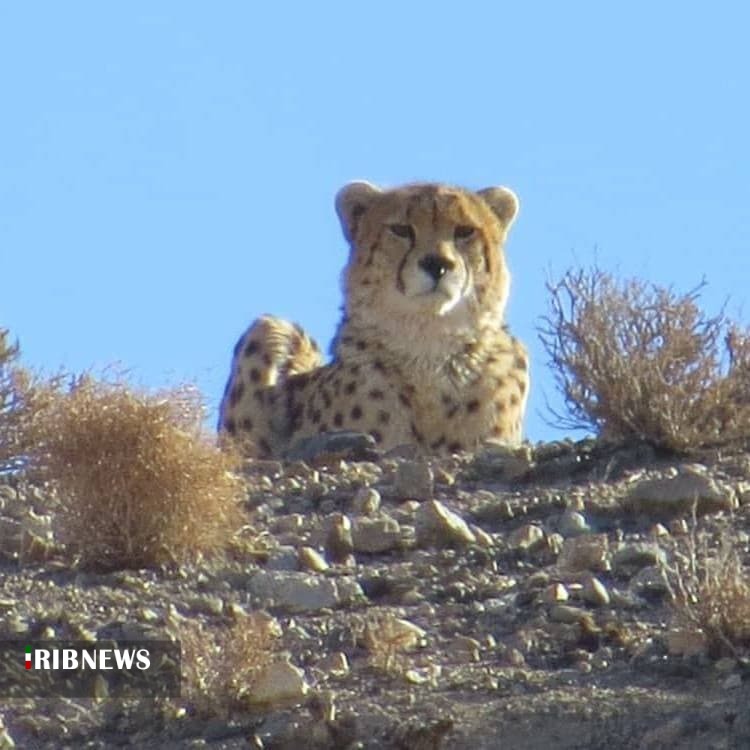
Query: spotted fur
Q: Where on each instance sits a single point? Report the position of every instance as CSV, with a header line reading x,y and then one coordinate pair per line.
x,y
421,354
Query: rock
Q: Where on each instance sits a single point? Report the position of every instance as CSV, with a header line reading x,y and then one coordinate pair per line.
x,y
334,665
483,538
311,559
37,549
526,537
595,592
366,501
298,592
499,461
573,523
465,648
440,527
632,557
395,633
284,557
493,510
590,552
355,446
206,604
743,493
445,477
339,543
555,593
414,480
666,498
658,531
376,535
686,642
279,684
650,582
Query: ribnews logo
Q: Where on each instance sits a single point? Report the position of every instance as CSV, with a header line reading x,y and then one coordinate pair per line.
x,y
79,669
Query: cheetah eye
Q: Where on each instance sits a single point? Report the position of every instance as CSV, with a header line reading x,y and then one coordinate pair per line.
x,y
463,232
405,231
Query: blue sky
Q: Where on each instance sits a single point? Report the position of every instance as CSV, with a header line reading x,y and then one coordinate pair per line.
x,y
167,169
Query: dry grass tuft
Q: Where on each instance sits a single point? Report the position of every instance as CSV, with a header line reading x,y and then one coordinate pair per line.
x,y
220,667
22,395
634,360
139,483
711,597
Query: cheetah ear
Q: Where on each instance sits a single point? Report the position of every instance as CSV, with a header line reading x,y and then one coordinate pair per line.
x,y
503,202
351,202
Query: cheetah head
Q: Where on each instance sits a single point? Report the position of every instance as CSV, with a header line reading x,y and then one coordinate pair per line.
x,y
425,253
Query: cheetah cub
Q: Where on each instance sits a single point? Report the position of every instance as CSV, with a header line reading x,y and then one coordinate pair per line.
x,y
421,354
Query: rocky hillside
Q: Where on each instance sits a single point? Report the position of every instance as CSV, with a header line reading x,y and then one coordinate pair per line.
x,y
573,595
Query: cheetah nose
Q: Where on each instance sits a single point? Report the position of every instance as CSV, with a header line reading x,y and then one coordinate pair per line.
x,y
436,265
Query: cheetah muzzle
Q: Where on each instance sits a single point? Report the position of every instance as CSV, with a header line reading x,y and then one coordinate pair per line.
x,y
421,354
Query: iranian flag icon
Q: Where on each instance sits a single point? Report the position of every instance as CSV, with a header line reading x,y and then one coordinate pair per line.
x,y
28,657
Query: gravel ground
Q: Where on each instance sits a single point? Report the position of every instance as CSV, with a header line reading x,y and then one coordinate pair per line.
x,y
513,599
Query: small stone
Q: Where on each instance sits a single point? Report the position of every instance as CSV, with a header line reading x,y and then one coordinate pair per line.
x,y
634,556
414,480
396,633
595,592
665,498
351,445
572,523
334,665
206,604
499,461
37,549
366,501
6,741
483,538
650,582
290,524
555,593
526,537
339,544
444,477
311,559
283,558
376,535
554,543
743,492
465,648
279,684
440,527
511,656
298,592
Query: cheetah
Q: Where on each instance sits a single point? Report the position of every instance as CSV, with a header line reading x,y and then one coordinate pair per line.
x,y
421,354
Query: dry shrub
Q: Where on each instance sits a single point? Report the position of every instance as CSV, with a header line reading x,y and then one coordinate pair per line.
x,y
22,395
711,596
635,360
219,667
139,484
